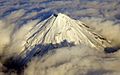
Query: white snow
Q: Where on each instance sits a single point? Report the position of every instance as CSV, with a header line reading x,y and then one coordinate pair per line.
x,y
59,30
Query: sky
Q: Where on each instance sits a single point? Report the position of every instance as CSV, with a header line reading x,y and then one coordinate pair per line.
x,y
17,17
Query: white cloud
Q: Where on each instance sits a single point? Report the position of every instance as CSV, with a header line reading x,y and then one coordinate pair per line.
x,y
65,61
107,28
79,60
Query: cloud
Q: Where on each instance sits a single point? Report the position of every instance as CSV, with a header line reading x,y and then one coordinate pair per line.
x,y
6,30
15,15
12,41
72,60
5,33
108,29
20,36
78,60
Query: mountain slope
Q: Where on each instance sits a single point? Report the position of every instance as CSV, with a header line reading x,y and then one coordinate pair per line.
x,y
59,31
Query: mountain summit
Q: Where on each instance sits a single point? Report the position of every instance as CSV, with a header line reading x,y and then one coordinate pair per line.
x,y
61,27
60,31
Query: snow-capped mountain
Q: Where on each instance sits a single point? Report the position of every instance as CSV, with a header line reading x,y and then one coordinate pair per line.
x,y
59,31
